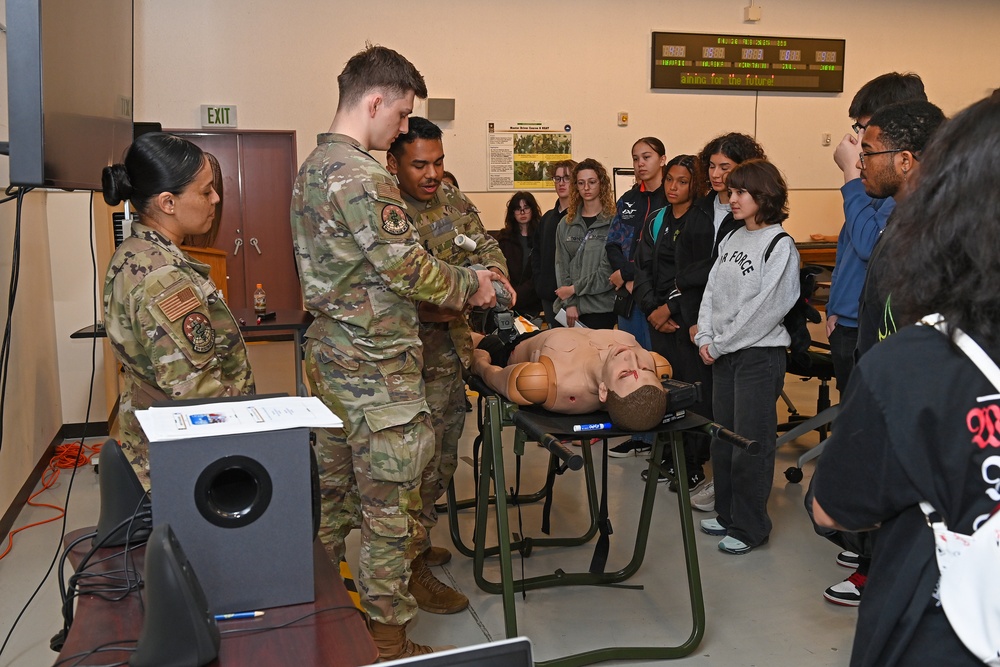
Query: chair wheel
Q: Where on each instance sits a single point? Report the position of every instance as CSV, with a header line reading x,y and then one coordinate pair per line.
x,y
794,475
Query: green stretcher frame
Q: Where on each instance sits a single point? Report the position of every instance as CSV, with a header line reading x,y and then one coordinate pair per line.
x,y
525,545
499,413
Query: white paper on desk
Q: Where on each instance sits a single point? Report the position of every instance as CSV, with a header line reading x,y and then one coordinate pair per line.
x,y
252,416
561,319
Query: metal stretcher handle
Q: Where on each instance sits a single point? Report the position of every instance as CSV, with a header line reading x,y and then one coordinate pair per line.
x,y
751,447
562,452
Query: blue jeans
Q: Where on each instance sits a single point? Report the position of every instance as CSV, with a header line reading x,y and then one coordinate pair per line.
x,y
638,327
747,385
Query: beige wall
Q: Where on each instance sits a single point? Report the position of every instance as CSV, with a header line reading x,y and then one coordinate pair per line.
x,y
578,63
33,411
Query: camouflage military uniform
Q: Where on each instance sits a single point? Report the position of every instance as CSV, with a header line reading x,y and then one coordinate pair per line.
x,y
448,345
171,331
360,266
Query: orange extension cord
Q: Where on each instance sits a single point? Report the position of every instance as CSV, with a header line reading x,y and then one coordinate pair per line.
x,y
67,456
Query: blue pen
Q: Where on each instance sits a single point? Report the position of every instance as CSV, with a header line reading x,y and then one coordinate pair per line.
x,y
591,427
238,615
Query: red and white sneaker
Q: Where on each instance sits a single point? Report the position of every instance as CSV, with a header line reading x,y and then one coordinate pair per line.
x,y
848,592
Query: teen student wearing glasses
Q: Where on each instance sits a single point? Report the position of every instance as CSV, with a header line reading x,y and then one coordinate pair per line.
x,y
543,256
582,269
517,241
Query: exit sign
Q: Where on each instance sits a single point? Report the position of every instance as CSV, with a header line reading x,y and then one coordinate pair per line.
x,y
213,115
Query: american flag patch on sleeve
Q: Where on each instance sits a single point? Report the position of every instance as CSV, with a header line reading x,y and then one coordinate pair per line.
x,y
387,191
179,303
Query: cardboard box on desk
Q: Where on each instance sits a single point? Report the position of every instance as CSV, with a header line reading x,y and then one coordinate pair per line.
x,y
241,504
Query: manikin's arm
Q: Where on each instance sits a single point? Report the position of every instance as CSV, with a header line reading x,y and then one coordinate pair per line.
x,y
526,383
663,366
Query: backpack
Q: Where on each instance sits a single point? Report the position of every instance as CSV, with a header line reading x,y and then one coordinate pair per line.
x,y
795,320
969,565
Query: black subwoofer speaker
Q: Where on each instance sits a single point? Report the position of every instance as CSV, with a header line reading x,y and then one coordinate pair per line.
x,y
242,506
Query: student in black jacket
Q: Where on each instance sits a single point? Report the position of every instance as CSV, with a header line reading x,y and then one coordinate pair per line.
x,y
697,250
543,256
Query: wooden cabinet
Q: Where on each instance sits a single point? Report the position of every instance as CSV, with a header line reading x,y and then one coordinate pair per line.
x,y
258,169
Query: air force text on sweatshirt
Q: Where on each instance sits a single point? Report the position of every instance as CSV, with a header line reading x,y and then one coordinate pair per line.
x,y
746,298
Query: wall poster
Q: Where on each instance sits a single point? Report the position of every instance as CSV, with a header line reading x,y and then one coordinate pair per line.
x,y
520,154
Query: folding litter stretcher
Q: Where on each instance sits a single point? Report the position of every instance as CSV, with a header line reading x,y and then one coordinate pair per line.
x,y
534,424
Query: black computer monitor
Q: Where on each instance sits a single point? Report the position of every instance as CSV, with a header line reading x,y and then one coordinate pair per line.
x,y
504,653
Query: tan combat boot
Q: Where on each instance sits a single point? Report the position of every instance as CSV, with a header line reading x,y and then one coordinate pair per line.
x,y
392,643
435,556
432,595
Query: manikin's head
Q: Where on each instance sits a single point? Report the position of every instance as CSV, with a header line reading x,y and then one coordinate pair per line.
x,y
631,389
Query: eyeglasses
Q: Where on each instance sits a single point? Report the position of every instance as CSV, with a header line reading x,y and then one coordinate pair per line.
x,y
562,179
857,127
586,185
864,154
523,209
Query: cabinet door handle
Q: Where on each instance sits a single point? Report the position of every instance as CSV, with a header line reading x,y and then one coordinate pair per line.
x,y
253,242
238,243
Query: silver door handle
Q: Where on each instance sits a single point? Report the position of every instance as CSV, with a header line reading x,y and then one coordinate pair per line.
x,y
238,243
253,242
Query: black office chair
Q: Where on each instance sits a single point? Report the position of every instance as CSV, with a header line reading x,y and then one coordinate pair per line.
x,y
808,359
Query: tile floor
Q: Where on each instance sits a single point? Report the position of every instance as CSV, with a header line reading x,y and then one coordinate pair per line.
x,y
765,608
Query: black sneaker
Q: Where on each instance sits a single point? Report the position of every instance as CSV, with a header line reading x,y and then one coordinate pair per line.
x,y
848,559
661,477
696,480
629,448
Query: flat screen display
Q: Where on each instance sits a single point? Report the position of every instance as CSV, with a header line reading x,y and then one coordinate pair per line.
x,y
69,72
697,61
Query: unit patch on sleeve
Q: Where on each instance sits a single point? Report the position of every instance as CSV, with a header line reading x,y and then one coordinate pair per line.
x,y
198,330
394,220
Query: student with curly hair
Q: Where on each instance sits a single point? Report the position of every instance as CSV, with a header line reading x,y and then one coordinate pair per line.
x,y
754,283
582,268
697,249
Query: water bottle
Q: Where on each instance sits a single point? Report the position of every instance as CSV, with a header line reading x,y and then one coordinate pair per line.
x,y
259,300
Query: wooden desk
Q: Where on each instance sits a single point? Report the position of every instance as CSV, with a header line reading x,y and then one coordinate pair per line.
x,y
822,253
336,638
276,328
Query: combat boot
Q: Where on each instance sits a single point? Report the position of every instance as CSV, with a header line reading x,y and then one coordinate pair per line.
x,y
431,594
392,644
435,556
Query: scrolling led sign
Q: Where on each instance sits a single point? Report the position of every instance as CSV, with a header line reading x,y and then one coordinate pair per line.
x,y
694,61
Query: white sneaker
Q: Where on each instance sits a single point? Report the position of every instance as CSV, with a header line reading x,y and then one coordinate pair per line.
x,y
704,500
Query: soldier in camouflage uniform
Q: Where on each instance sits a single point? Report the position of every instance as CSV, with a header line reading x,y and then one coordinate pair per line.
x,y
441,212
362,268
165,319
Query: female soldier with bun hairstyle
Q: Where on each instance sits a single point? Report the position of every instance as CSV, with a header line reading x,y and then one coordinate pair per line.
x,y
166,320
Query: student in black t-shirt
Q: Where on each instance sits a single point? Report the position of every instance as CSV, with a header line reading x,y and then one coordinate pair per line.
x,y
918,422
